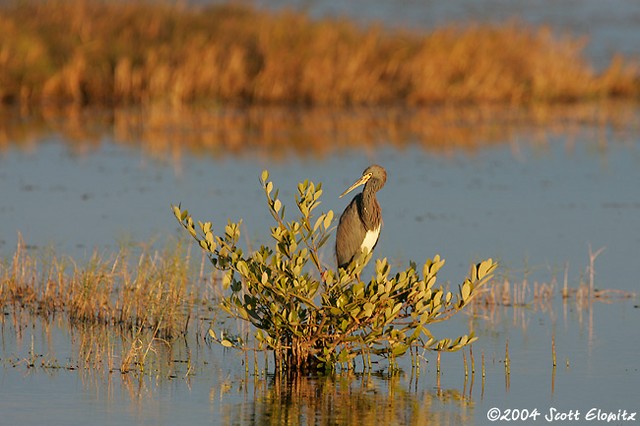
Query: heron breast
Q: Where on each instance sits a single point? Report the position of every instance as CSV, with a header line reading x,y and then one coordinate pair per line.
x,y
370,239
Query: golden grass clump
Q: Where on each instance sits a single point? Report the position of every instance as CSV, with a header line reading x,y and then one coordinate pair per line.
x,y
118,53
158,293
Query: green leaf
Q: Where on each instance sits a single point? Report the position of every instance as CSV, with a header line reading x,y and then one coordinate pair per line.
x,y
368,309
176,212
327,219
485,267
265,175
399,349
277,205
343,356
355,311
318,222
206,228
396,308
226,280
465,291
242,268
431,282
209,237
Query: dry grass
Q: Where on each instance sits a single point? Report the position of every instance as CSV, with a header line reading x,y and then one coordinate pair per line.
x,y
505,292
540,296
158,292
114,53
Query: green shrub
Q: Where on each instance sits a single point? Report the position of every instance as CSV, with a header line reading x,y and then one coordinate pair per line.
x,y
312,317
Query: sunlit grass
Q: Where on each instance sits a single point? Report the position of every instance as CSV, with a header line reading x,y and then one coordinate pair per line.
x,y
507,295
154,290
115,53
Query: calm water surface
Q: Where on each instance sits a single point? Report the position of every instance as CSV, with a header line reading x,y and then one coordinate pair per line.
x,y
534,204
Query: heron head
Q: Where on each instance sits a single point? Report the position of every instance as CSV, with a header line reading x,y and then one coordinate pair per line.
x,y
372,172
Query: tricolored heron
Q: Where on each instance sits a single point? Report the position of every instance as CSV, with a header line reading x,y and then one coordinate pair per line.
x,y
360,223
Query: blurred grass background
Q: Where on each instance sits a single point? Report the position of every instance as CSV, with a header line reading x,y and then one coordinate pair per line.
x,y
110,53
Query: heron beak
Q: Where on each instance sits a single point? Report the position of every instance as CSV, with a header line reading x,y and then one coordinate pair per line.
x,y
356,184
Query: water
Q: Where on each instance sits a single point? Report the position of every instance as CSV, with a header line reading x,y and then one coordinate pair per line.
x,y
525,203
536,197
535,203
203,384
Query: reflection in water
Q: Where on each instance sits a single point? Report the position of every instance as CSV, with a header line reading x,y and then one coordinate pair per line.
x,y
275,132
94,352
162,373
347,399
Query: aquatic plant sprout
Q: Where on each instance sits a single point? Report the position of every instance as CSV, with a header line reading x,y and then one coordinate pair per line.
x,y
313,317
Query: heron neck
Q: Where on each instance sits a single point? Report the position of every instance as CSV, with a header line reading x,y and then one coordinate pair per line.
x,y
370,209
370,189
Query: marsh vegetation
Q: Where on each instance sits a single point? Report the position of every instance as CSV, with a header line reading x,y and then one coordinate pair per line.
x,y
128,309
119,53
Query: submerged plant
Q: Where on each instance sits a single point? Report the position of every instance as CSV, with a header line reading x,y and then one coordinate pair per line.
x,y
312,317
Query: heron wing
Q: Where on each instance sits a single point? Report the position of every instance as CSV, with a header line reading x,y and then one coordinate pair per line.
x,y
350,234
